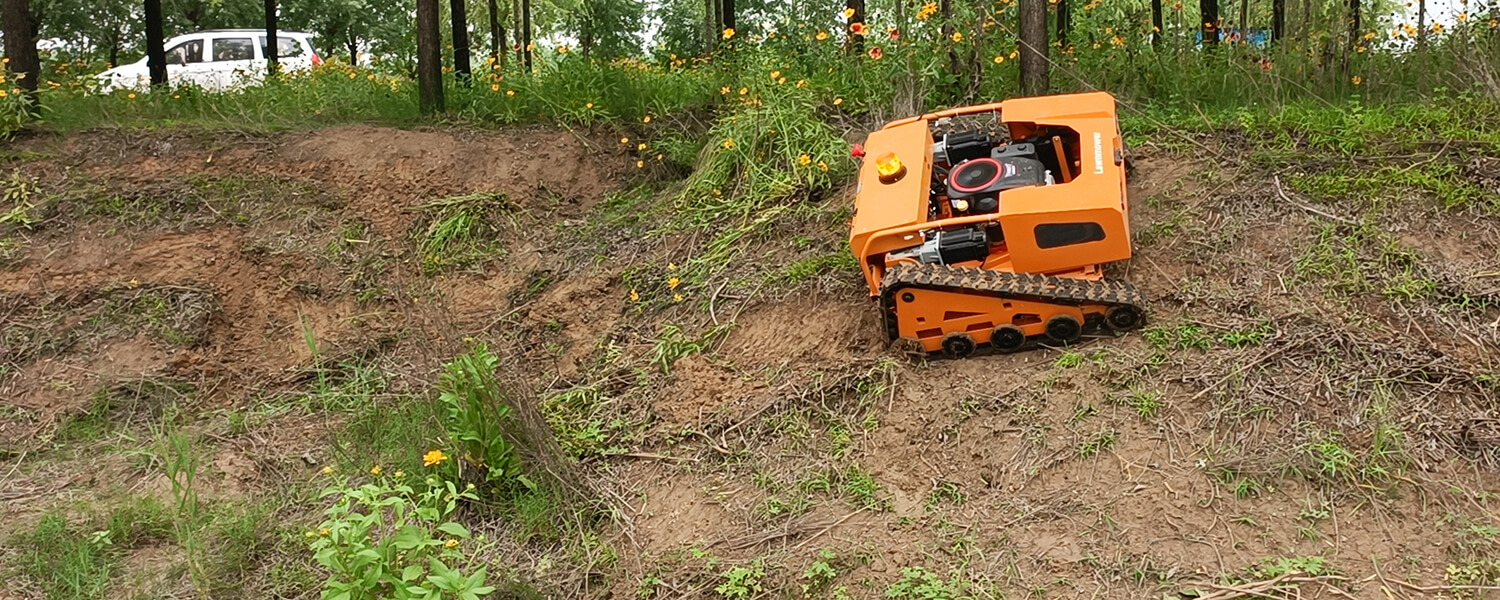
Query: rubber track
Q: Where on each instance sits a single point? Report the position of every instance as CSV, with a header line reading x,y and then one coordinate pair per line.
x,y
1002,284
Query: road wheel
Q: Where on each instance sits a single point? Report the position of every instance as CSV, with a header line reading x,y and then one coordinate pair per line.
x,y
1064,328
1007,338
1124,318
958,345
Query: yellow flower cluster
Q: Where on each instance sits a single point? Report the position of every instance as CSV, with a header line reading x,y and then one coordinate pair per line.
x,y
927,11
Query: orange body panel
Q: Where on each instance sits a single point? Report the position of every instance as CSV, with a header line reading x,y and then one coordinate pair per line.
x,y
1088,195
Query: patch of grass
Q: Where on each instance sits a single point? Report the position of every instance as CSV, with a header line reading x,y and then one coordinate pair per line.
x,y
72,561
1181,337
1069,359
918,583
841,264
1146,403
460,231
1253,336
176,315
1270,568
582,424
673,344
123,405
1097,443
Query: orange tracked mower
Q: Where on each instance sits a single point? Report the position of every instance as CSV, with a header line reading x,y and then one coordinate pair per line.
x,y
991,224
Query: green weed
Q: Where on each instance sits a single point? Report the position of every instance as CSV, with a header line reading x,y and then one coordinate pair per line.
x,y
1096,444
1182,337
742,583
478,417
673,344
460,233
917,583
1069,359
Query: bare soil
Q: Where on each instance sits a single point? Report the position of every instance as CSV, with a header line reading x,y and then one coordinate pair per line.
x,y
1352,430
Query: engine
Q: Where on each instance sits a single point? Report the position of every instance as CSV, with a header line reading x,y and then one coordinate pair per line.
x,y
970,169
973,167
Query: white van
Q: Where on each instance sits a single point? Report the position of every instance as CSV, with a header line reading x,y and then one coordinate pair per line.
x,y
217,60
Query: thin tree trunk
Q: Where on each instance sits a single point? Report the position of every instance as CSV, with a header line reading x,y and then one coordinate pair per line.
x,y
458,10
1421,24
726,18
1244,21
856,42
1353,26
114,53
1034,76
1278,20
526,33
273,52
352,43
497,35
156,55
1306,21
1064,22
515,25
1156,24
429,57
1208,11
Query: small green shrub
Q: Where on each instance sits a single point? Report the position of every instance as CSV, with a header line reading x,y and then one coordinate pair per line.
x,y
478,415
384,539
742,583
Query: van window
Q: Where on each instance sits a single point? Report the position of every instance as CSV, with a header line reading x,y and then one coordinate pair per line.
x,y
187,52
233,49
285,47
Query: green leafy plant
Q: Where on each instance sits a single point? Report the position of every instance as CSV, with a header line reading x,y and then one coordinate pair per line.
x,y
742,583
477,416
918,583
385,539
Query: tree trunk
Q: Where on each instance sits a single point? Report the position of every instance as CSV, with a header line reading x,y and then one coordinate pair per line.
x,y
1208,11
1306,21
156,55
1033,14
459,11
1156,24
1353,26
856,42
1064,22
273,52
945,8
515,25
526,34
20,42
1278,20
1244,21
114,53
1421,24
352,43
711,31
429,57
726,18
497,35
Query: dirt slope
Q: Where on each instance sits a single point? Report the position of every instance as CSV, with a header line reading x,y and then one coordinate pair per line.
x,y
1316,392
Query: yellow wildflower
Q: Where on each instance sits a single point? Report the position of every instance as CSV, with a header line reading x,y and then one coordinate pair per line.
x,y
673,282
641,146
822,35
398,474
804,160
673,266
494,87
728,144
325,532
589,106
744,90
823,166
433,457
1355,80
375,470
775,75
640,164
724,90
450,544
327,470
958,36
677,297
646,119
999,59
728,32
624,141
635,296
838,101
131,95
848,13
